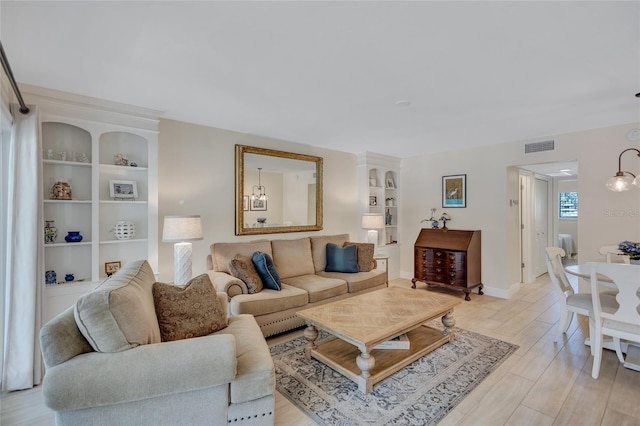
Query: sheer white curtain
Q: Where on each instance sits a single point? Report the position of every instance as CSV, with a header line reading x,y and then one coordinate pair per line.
x,y
24,269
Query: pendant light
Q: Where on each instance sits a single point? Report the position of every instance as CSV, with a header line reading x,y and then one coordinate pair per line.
x,y
623,180
261,190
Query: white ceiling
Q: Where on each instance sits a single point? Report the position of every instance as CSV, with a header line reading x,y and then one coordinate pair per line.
x,y
331,74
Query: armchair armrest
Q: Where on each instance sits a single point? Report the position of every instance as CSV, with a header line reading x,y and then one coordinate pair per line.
x,y
226,283
96,378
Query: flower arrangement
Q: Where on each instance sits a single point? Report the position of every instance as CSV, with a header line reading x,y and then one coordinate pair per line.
x,y
433,219
631,249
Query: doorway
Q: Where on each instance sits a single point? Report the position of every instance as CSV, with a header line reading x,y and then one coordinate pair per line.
x,y
539,207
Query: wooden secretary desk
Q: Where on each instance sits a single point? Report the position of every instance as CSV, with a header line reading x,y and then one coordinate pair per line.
x,y
448,258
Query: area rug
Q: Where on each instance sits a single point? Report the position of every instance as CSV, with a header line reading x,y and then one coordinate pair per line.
x,y
420,394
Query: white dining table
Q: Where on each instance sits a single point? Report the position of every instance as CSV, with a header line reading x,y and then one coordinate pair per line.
x,y
632,349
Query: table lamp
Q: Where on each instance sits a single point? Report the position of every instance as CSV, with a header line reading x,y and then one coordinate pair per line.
x,y
180,230
372,222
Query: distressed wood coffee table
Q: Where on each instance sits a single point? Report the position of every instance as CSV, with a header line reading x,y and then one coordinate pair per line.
x,y
364,321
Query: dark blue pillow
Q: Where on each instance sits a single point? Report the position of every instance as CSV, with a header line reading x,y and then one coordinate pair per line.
x,y
341,259
267,270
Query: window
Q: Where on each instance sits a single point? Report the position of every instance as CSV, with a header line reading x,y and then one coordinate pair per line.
x,y
568,205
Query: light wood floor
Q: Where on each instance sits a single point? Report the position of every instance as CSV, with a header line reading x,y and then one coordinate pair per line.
x,y
543,383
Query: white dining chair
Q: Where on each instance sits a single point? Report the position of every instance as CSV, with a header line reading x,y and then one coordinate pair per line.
x,y
622,322
570,302
613,252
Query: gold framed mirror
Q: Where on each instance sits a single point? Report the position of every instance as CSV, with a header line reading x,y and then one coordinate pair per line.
x,y
277,191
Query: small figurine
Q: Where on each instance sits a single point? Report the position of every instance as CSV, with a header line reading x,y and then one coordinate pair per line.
x,y
84,158
63,155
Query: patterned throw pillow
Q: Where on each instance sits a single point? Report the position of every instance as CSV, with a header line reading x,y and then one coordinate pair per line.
x,y
365,255
267,270
242,268
190,311
341,259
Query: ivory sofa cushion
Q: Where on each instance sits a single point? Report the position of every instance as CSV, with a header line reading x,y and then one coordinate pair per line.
x,y
365,255
242,267
222,253
190,311
292,257
319,288
119,314
268,301
319,248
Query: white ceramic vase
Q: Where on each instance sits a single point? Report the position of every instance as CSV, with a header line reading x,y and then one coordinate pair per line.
x,y
124,230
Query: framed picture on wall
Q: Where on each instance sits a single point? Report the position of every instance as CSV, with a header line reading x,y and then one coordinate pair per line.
x,y
258,205
454,191
245,203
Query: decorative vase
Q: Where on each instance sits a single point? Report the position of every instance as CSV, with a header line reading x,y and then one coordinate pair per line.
x,y
435,224
69,277
387,217
73,237
50,232
124,230
50,277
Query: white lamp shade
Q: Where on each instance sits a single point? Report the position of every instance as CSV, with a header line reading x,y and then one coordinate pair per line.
x,y
372,221
181,228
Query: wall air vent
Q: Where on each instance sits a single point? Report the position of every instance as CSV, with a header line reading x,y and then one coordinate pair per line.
x,y
539,147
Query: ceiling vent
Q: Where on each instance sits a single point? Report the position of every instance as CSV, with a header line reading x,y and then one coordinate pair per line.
x,y
539,147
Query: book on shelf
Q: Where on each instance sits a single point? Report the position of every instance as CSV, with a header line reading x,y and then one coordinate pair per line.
x,y
399,342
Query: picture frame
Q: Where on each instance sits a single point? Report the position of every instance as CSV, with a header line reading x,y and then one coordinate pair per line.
x,y
373,201
123,189
454,191
111,268
245,203
258,205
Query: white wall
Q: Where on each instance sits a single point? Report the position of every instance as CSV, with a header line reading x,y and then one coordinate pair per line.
x,y
605,217
196,175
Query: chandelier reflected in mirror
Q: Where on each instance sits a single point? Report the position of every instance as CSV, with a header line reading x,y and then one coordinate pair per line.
x,y
259,192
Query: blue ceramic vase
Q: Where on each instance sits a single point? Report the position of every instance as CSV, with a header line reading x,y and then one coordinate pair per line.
x,y
73,237
50,277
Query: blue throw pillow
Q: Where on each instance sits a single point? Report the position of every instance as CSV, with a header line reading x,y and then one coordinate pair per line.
x,y
267,270
341,259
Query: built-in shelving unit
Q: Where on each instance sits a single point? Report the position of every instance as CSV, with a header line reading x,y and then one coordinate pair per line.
x,y
81,138
379,184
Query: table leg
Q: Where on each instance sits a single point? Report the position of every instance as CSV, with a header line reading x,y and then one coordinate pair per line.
x,y
448,321
311,334
365,362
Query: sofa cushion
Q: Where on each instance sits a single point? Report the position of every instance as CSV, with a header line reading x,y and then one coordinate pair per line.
x,y
255,376
360,281
119,314
268,301
242,267
222,253
319,288
190,311
341,259
365,255
267,270
292,257
319,248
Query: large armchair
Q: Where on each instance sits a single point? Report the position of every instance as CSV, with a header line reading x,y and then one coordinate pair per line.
x,y
223,377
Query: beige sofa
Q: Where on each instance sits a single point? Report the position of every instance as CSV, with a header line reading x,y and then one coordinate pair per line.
x,y
300,263
222,378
